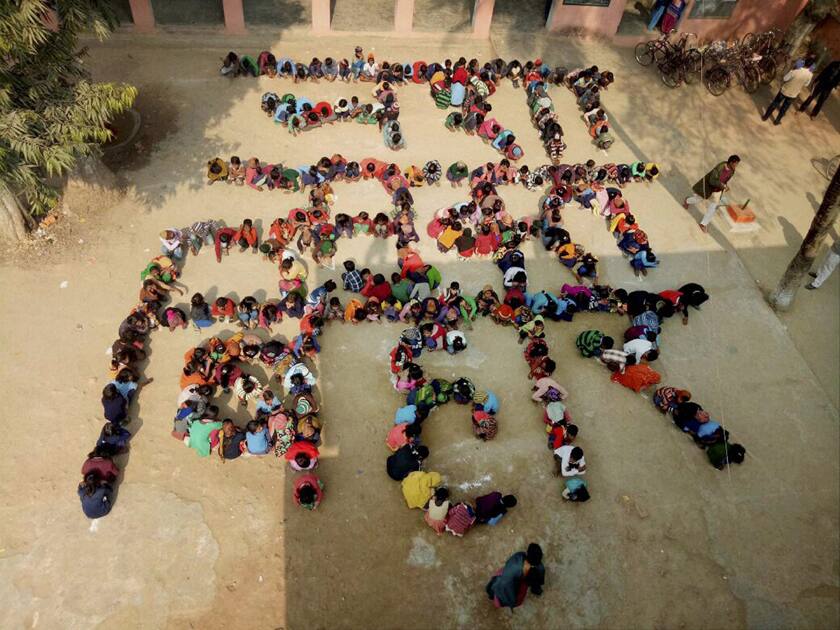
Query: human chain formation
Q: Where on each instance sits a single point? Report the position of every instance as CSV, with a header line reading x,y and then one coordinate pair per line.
x,y
597,189
289,426
461,84
286,418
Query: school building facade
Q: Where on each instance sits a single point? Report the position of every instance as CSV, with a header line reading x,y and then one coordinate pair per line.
x,y
621,20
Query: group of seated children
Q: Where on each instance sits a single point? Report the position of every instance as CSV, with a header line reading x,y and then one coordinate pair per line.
x,y
630,364
545,119
318,177
526,312
422,489
587,85
100,472
462,84
588,185
692,419
646,311
288,426
467,86
300,114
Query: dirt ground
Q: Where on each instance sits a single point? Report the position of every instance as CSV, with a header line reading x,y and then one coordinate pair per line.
x,y
666,542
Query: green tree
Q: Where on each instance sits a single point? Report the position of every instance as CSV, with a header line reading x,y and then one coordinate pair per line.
x,y
51,113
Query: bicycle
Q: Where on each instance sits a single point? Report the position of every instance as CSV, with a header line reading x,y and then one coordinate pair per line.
x,y
761,46
683,67
826,168
655,50
741,66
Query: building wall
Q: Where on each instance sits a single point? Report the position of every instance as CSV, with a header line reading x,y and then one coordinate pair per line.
x,y
749,16
828,35
596,20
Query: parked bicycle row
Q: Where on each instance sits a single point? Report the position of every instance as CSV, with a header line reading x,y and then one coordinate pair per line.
x,y
754,60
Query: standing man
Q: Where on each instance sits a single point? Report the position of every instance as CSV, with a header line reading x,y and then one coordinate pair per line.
x,y
792,84
827,268
712,187
826,81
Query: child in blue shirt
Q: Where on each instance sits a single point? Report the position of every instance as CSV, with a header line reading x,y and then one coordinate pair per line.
x,y
257,438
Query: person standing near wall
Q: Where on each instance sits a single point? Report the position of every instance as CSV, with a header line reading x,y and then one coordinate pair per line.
x,y
656,13
712,187
824,84
792,84
673,13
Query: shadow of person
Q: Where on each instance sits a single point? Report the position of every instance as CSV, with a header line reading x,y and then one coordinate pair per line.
x,y
792,236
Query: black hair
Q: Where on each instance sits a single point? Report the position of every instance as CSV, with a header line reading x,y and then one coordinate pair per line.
x,y
422,452
306,494
607,342
509,501
572,430
534,554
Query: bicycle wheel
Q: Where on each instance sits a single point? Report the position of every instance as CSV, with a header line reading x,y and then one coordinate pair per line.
x,y
766,70
832,166
749,41
670,73
717,80
750,79
643,53
692,66
663,52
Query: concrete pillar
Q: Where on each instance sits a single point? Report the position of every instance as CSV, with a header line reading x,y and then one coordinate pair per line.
x,y
403,16
550,18
482,17
143,16
234,17
321,16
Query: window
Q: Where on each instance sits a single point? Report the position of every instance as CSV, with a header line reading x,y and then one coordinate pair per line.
x,y
717,9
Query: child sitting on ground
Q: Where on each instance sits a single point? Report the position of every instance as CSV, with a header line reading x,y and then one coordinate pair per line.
x,y
437,510
302,456
217,170
256,438
308,491
587,268
352,279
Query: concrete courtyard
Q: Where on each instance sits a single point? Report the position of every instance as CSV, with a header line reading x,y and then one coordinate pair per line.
x,y
666,542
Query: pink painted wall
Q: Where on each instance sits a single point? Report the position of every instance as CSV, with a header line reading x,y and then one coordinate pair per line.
x,y
596,20
321,16
234,17
142,15
403,16
749,16
482,18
